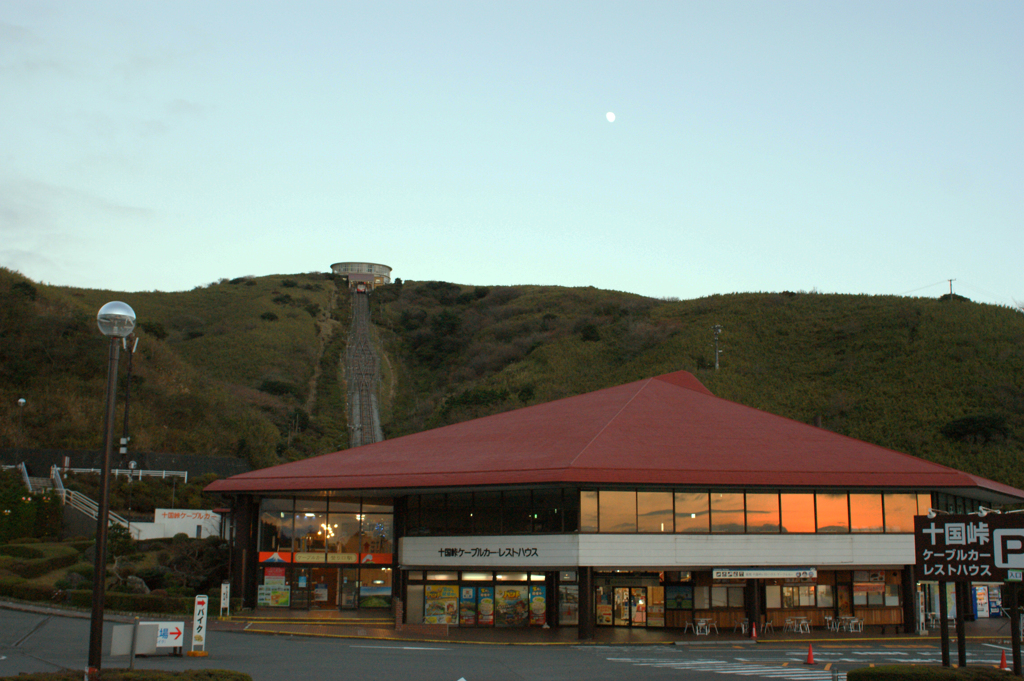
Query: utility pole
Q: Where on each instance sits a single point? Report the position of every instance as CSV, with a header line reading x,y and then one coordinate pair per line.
x,y
717,328
951,287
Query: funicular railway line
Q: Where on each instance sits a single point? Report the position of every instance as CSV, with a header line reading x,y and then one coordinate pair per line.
x,y
362,369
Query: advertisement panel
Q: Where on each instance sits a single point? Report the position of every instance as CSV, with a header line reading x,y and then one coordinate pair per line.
x,y
467,606
440,604
485,608
511,606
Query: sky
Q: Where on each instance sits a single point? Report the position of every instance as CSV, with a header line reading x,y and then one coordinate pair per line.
x,y
839,147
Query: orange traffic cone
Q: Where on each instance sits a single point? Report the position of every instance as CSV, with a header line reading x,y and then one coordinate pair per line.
x,y
1002,662
753,631
810,655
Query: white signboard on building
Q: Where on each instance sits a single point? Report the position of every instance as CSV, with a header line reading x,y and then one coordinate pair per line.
x,y
489,551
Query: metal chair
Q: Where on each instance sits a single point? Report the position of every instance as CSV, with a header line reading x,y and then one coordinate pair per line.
x,y
768,626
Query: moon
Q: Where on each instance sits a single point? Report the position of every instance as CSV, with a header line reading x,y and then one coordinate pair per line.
x,y
610,116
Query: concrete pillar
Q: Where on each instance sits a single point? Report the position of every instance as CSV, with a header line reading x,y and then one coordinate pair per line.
x,y
588,617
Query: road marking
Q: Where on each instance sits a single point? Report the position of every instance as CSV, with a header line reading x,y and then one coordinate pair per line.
x,y
735,668
399,647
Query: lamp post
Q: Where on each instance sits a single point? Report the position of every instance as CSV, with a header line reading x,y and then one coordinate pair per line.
x,y
21,410
116,320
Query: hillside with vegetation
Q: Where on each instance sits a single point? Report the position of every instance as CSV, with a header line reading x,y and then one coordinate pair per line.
x,y
251,367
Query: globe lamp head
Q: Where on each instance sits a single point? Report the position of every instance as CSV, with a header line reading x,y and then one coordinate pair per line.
x,y
116,319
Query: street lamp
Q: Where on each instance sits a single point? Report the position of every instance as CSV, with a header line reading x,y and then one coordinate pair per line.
x,y
116,320
21,410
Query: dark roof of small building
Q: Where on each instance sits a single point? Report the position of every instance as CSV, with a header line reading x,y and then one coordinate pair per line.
x,y
668,430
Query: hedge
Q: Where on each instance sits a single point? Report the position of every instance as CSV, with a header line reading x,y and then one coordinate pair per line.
x,y
37,568
924,673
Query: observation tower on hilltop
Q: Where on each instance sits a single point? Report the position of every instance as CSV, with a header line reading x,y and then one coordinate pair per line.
x,y
369,274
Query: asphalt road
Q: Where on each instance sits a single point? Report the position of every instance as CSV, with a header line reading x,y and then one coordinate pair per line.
x,y
31,642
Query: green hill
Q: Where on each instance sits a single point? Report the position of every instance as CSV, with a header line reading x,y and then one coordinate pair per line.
x,y
250,367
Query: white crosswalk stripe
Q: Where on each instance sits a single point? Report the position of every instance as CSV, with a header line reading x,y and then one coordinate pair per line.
x,y
737,669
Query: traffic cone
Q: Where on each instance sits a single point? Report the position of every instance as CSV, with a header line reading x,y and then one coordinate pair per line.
x,y
1002,663
753,631
810,655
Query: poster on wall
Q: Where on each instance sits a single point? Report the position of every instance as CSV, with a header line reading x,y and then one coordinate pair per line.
x,y
273,596
274,576
467,606
440,604
655,606
604,613
485,609
568,604
511,606
679,597
538,606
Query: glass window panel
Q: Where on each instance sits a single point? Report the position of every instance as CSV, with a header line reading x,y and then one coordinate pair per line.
x,y
487,513
515,512
344,533
789,597
310,531
340,504
735,596
436,576
588,511
433,517
866,512
381,505
833,512
892,594
314,505
378,533
701,597
537,576
900,510
511,577
719,597
806,596
825,596
477,576
860,598
797,512
276,525
548,510
460,506
773,596
618,511
654,511
762,512
692,512
375,587
727,512
924,503
876,598
415,574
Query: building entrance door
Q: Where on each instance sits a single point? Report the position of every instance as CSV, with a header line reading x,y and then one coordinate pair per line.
x,y
323,588
629,606
348,585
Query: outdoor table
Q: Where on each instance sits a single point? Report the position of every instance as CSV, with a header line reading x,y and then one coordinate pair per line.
x,y
702,628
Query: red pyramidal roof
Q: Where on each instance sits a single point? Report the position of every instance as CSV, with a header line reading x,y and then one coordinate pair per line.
x,y
666,430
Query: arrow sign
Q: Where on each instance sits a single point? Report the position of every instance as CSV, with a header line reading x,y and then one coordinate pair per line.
x,y
176,634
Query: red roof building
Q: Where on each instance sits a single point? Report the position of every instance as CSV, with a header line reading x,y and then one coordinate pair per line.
x,y
653,503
